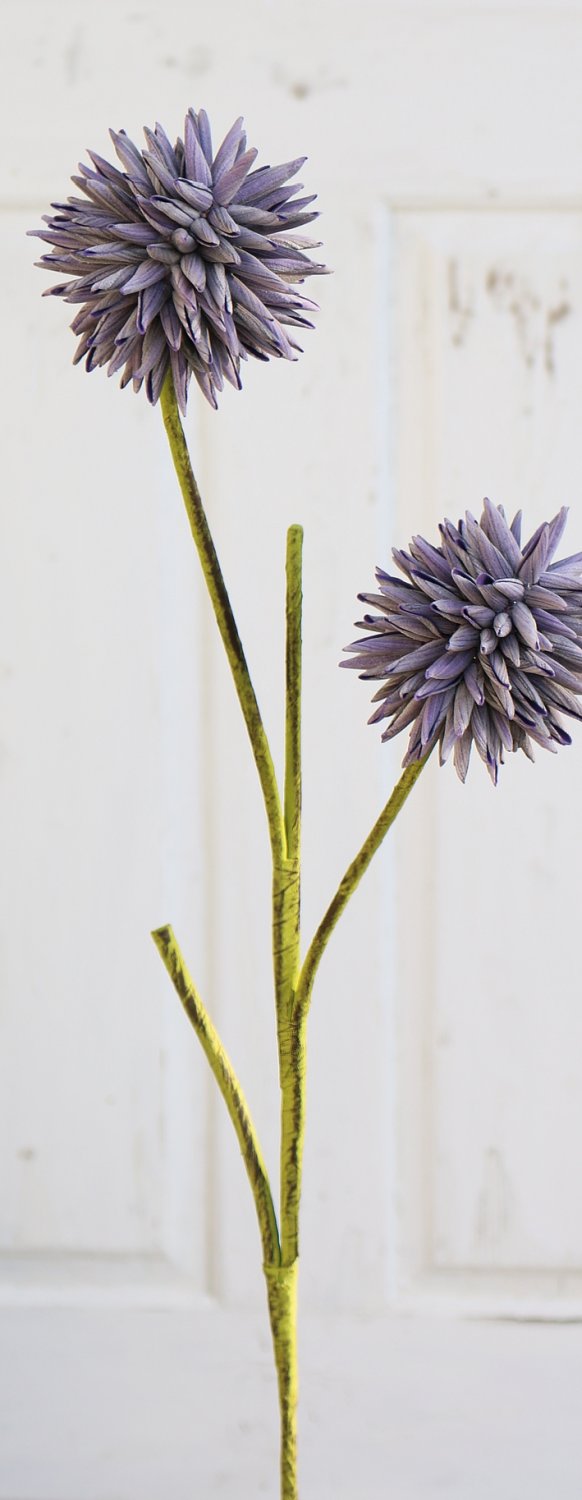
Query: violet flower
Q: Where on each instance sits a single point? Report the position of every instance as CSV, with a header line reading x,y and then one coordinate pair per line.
x,y
482,642
184,259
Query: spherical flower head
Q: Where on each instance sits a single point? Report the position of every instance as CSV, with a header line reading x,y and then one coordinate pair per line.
x,y
185,259
481,643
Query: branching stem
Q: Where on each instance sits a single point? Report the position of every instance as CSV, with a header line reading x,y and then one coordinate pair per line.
x,y
293,984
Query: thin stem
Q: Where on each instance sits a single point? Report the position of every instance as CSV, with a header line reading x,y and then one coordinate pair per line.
x,y
286,923
293,693
286,870
351,879
282,1282
282,1299
224,615
293,1064
229,1087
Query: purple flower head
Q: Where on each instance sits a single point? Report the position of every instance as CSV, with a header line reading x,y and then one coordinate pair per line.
x,y
482,642
184,259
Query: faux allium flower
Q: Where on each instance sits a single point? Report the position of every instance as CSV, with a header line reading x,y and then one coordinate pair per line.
x,y
481,642
183,259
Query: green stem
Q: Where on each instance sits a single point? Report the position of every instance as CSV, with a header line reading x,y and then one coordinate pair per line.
x,y
282,1300
284,830
224,615
293,693
351,879
229,1087
286,922
293,1068
293,986
282,1282
292,1023
286,869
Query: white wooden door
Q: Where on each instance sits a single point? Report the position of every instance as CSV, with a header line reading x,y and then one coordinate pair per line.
x,y
443,1160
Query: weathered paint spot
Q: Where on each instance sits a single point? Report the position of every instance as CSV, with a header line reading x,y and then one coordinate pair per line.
x,y
535,322
461,306
554,315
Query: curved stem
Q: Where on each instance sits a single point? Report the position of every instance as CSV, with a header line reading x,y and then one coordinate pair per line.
x,y
224,615
229,1087
352,879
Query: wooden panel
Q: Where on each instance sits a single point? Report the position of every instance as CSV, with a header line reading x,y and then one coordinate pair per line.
x,y
395,106
94,604
466,100
489,379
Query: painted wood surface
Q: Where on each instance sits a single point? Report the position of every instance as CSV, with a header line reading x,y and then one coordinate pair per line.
x,y
445,143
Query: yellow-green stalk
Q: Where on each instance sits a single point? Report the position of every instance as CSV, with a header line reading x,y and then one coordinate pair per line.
x,y
293,982
223,612
229,1086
